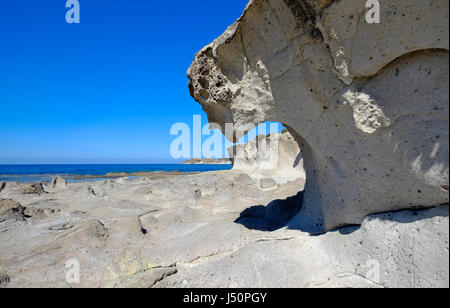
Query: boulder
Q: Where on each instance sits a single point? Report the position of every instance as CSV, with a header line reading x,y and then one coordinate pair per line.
x,y
368,104
267,183
58,182
91,191
30,189
11,210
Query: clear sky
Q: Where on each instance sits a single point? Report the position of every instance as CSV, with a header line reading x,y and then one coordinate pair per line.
x,y
106,90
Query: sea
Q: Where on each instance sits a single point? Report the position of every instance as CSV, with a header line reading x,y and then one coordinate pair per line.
x,y
72,173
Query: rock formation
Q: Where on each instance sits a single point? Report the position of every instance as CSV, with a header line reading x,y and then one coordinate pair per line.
x,y
275,156
11,210
58,182
2,186
30,189
367,103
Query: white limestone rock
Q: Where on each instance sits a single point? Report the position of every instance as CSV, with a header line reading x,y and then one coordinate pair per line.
x,y
276,156
58,183
366,103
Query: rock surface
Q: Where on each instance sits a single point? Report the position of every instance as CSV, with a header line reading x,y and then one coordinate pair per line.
x,y
10,209
368,104
58,182
276,156
267,183
231,235
389,250
36,188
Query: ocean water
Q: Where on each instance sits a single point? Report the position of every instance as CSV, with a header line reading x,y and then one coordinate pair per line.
x,y
44,173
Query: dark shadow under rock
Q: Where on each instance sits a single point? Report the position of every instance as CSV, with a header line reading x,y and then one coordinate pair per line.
x,y
273,216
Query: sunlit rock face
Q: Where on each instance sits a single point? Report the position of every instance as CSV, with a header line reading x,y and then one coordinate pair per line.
x,y
276,156
368,104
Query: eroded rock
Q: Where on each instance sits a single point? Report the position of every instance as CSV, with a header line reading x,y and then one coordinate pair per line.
x,y
267,183
58,182
10,209
31,189
366,103
277,156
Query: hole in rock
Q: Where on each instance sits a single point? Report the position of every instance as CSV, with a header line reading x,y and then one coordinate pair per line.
x,y
279,163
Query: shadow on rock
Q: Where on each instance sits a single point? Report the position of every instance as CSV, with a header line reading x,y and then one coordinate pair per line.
x,y
272,217
401,217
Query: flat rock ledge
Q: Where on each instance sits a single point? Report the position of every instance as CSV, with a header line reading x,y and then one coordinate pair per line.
x,y
214,229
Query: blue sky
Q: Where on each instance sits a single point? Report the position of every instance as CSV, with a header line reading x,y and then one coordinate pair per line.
x,y
106,90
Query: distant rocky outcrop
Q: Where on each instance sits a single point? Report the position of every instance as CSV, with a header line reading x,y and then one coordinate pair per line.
x,y
58,182
30,189
276,156
367,103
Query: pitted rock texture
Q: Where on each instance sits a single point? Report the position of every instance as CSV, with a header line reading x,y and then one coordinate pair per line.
x,y
367,103
227,237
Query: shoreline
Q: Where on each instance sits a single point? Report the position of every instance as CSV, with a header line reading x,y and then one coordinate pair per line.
x,y
72,177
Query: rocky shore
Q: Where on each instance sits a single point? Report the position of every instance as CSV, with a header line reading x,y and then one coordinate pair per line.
x,y
356,197
207,161
214,229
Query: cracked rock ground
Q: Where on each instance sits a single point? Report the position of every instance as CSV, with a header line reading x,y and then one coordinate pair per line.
x,y
160,232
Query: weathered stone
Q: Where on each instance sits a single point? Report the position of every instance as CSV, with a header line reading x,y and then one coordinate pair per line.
x,y
267,183
91,191
367,103
10,209
244,178
30,189
146,279
276,155
58,182
400,249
